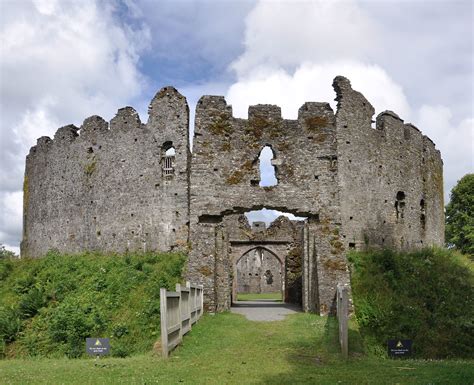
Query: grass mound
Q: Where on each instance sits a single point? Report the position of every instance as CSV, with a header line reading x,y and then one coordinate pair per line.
x,y
427,296
49,306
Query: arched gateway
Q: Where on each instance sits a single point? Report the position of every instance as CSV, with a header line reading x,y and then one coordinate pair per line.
x,y
128,186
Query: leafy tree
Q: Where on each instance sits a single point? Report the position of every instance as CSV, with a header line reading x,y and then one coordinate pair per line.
x,y
460,216
4,253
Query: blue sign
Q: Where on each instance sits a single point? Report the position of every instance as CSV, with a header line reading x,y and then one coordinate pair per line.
x,y
399,348
97,346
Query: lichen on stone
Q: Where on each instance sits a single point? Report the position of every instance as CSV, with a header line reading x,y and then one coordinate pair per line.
x,y
220,125
315,123
238,175
90,167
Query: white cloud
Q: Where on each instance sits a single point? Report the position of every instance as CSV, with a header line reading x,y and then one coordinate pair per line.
x,y
11,207
59,63
455,142
313,82
285,34
295,49
268,216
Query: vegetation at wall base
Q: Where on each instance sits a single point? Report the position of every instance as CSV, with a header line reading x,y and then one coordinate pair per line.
x,y
426,296
48,306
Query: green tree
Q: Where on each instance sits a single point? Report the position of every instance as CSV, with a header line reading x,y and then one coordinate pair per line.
x,y
4,253
460,216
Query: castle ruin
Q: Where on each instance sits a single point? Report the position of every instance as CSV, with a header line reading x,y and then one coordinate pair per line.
x,y
126,186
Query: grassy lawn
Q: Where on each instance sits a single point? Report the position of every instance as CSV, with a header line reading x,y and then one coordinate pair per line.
x,y
228,349
257,296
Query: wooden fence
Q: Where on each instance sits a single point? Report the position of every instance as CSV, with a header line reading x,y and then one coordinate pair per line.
x,y
180,309
343,318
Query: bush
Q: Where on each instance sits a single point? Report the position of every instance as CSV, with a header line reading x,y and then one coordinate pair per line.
x,y
427,296
31,302
6,267
49,306
10,324
120,351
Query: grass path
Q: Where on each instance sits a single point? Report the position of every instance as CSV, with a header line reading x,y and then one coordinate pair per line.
x,y
228,349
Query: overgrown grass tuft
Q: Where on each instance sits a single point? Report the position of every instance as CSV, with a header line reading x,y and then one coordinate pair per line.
x,y
427,296
49,306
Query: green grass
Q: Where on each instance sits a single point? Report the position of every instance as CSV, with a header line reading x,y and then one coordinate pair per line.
x,y
228,349
257,296
49,305
426,296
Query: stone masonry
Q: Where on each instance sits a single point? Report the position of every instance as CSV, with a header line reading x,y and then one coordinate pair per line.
x,y
127,186
259,271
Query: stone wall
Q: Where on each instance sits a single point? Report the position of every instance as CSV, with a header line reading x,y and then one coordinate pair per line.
x,y
101,187
390,178
259,271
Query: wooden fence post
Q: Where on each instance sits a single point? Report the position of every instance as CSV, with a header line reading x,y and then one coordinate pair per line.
x,y
201,304
164,323
343,318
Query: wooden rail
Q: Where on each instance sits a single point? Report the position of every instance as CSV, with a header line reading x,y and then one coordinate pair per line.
x,y
343,318
180,309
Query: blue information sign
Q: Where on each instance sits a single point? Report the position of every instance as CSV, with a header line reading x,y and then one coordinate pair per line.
x,y
399,348
97,346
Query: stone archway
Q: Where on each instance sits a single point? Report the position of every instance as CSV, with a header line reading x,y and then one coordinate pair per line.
x,y
258,270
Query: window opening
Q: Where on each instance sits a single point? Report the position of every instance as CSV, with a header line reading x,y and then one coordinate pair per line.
x,y
267,169
264,218
168,159
400,205
422,214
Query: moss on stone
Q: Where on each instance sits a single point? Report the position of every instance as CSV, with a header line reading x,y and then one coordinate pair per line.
x,y
315,123
205,270
238,175
290,172
220,125
283,146
321,137
337,247
331,264
226,146
90,167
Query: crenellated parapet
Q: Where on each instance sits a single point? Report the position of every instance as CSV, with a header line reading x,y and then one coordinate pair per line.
x,y
104,186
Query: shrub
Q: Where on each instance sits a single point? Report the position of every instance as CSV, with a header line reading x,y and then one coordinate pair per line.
x,y
31,302
427,296
10,324
120,351
6,267
65,299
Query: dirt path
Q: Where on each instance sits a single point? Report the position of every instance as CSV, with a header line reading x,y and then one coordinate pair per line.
x,y
264,310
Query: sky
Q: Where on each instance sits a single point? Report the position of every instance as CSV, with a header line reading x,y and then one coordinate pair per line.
x,y
63,60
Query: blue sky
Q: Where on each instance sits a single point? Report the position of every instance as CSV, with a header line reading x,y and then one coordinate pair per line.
x,y
61,61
